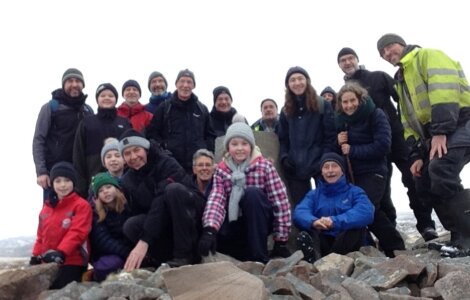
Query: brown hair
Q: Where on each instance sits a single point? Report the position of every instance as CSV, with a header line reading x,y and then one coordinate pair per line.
x,y
353,87
311,100
117,205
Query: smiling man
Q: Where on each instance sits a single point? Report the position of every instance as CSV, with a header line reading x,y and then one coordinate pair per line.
x,y
333,216
222,112
269,121
182,124
157,85
131,108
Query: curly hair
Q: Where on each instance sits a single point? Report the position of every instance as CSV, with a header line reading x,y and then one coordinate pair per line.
x,y
311,100
116,205
355,88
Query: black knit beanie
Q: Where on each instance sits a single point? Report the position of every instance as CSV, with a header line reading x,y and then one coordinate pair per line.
x,y
294,70
333,156
186,73
106,86
346,51
219,90
131,82
64,169
72,73
388,39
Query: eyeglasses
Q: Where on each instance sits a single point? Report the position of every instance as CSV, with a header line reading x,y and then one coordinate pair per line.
x,y
204,165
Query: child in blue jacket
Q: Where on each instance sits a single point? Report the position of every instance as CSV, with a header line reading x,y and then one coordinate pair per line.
x,y
333,217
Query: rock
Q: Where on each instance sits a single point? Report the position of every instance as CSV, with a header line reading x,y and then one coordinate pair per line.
x,y
221,280
359,290
455,285
282,266
335,261
383,278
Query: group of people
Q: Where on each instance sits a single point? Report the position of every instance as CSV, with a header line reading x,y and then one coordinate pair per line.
x,y
138,185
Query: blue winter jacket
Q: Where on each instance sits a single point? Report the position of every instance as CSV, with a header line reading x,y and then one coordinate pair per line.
x,y
346,204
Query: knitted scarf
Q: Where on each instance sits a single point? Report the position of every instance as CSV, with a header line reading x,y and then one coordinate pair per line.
x,y
238,187
363,112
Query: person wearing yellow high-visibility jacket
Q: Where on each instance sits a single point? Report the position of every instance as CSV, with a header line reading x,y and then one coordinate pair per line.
x,y
435,112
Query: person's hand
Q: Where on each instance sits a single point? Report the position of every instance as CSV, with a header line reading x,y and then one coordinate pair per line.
x,y
416,168
208,241
53,256
345,148
288,166
342,137
43,181
438,146
327,222
318,225
35,260
137,255
280,250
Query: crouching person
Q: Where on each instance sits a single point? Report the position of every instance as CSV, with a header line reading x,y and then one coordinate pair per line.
x,y
64,225
109,245
248,201
333,216
165,203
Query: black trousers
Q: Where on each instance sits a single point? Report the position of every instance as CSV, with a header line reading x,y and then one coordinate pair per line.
x,y
247,237
66,275
176,223
343,243
389,238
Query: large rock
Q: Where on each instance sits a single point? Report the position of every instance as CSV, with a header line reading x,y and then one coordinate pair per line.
x,y
220,280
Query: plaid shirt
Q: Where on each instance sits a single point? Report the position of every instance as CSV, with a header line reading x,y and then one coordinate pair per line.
x,y
261,174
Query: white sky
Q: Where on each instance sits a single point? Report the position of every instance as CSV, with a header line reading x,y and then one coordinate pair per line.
x,y
245,45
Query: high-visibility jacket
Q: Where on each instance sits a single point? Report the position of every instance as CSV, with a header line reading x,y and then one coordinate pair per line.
x,y
434,84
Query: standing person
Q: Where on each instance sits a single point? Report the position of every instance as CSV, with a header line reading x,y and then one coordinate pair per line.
x,y
110,247
91,134
269,120
334,215
131,108
166,205
56,126
203,170
435,111
329,95
222,112
306,132
365,138
247,202
379,85
64,225
182,124
157,85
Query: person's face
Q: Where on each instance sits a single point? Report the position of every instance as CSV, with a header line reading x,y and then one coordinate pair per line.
x,y
203,168
113,162
349,64
135,157
131,95
297,84
157,86
107,193
331,171
106,99
62,186
328,96
185,86
392,53
223,102
349,103
73,87
268,111
239,149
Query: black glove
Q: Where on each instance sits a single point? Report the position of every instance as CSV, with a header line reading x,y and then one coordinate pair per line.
x,y
53,256
208,241
288,166
280,250
35,260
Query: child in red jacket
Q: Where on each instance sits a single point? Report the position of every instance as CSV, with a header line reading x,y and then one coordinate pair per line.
x,y
64,225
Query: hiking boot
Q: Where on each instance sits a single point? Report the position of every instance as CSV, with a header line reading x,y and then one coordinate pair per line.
x,y
178,262
309,247
429,233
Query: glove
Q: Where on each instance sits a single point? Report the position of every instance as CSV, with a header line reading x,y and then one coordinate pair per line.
x,y
288,166
280,250
53,256
208,241
35,260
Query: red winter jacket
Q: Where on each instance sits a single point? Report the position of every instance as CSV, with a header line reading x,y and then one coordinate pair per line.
x,y
137,115
65,228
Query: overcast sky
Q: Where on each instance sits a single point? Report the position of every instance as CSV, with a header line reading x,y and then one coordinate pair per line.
x,y
245,45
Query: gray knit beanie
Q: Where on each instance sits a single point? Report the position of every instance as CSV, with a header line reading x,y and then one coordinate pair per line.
x,y
72,73
388,39
186,73
294,70
110,144
156,74
240,130
130,138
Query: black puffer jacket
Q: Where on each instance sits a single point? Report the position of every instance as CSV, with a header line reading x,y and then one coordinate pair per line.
x,y
220,121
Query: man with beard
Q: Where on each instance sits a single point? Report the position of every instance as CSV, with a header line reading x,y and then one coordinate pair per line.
x,y
157,86
56,125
